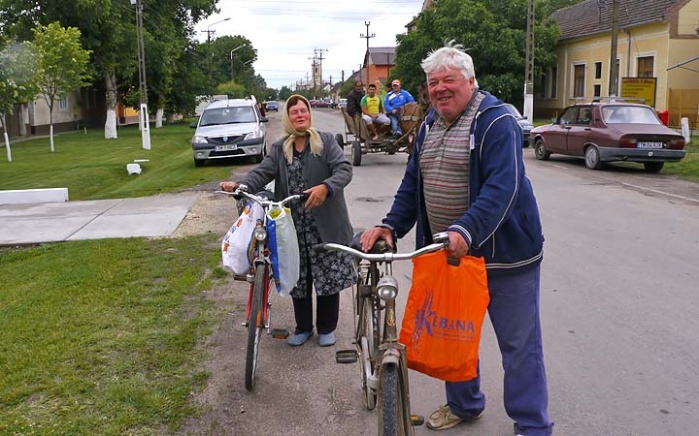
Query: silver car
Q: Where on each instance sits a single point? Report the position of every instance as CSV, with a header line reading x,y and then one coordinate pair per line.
x,y
229,129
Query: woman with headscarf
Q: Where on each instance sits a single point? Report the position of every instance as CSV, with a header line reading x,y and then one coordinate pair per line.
x,y
311,162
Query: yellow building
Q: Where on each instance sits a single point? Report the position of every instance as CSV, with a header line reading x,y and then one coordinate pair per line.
x,y
657,41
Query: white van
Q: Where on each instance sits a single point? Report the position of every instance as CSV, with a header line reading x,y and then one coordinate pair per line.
x,y
229,129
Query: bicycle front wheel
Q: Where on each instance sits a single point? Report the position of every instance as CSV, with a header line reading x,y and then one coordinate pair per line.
x,y
394,410
256,323
367,350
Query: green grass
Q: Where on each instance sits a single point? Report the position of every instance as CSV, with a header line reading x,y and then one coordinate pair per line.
x,y
92,167
99,337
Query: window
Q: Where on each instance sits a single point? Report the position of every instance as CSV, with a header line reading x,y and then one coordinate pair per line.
x,y
568,116
644,66
598,90
598,70
554,81
63,103
585,115
579,81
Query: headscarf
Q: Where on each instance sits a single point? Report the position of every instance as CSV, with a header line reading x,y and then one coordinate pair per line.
x,y
316,142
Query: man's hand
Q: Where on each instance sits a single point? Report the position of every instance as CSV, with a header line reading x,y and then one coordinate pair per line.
x,y
228,186
316,195
458,247
369,237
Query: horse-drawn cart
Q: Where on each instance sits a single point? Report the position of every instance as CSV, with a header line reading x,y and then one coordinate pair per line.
x,y
357,134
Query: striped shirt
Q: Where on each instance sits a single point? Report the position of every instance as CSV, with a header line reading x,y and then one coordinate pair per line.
x,y
444,164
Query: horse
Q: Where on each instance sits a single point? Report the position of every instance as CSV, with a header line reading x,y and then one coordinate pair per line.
x,y
411,116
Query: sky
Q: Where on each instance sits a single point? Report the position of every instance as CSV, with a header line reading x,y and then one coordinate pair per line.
x,y
287,34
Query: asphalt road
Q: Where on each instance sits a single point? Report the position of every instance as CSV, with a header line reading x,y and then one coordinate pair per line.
x,y
620,313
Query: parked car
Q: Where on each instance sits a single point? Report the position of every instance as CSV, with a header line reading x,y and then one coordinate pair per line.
x,y
227,129
523,122
342,104
610,131
272,106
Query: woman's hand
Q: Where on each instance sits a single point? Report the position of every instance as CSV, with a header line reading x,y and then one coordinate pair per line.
x,y
228,186
316,195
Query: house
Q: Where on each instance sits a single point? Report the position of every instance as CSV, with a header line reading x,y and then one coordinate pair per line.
x,y
378,62
657,56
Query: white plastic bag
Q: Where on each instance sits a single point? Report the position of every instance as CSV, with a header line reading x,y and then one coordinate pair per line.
x,y
237,245
284,249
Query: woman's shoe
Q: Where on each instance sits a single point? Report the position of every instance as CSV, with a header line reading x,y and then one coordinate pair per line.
x,y
299,338
326,339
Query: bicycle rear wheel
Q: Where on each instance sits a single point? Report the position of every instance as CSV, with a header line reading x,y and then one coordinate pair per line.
x,y
394,410
256,323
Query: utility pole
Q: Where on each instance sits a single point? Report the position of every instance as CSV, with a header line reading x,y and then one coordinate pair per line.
x,y
366,55
613,68
528,109
143,120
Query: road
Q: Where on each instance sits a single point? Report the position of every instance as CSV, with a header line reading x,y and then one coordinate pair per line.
x,y
620,313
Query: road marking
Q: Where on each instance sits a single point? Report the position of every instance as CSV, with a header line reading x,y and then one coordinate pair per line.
x,y
660,192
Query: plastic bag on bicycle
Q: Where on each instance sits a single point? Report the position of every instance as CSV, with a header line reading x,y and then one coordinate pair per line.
x,y
283,249
444,315
237,245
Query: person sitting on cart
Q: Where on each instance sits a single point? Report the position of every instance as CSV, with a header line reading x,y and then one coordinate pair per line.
x,y
394,102
354,99
372,111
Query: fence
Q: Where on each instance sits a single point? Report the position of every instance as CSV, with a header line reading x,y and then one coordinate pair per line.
x,y
684,103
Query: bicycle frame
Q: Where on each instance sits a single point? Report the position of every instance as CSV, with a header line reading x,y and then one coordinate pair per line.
x,y
258,312
389,362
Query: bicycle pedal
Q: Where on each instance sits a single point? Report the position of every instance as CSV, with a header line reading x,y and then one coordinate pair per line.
x,y
346,356
417,420
280,333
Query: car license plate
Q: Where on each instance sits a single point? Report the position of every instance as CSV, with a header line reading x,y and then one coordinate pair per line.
x,y
650,145
227,147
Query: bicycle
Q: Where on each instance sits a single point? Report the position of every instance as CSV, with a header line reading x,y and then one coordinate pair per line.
x,y
382,358
261,276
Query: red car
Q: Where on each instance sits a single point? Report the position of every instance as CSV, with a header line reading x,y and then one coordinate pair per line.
x,y
607,132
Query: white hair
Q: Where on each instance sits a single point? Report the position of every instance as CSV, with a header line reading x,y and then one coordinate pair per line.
x,y
451,56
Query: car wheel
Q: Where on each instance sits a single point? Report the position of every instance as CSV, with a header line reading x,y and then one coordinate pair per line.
x,y
356,153
340,140
540,151
653,167
592,160
198,163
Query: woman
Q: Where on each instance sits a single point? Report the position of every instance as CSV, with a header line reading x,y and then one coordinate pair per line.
x,y
311,162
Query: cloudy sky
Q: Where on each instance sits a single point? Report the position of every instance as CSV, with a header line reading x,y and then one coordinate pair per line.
x,y
288,33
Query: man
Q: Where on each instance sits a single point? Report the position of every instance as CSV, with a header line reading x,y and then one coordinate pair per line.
x,y
467,178
354,99
395,100
372,111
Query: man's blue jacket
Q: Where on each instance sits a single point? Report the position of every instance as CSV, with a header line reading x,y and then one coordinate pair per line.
x,y
502,221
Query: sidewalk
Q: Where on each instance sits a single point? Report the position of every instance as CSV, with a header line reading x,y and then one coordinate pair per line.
x,y
122,218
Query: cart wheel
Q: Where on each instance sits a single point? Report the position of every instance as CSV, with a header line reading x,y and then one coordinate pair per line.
x,y
340,140
356,153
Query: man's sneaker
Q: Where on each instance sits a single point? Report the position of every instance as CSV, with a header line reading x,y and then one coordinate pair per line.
x,y
326,339
443,419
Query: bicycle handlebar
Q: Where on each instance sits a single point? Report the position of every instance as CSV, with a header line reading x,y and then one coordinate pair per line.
x,y
241,191
384,257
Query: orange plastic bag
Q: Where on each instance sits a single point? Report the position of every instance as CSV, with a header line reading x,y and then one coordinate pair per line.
x,y
443,317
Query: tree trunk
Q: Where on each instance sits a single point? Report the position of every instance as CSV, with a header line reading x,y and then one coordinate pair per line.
x,y
23,119
159,118
7,138
51,125
110,126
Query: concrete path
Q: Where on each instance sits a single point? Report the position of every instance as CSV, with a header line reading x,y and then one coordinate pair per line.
x,y
122,218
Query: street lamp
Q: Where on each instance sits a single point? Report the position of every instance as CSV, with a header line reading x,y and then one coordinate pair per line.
x,y
235,49
208,28
143,88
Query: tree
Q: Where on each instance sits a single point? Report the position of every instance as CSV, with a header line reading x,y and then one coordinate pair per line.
x,y
108,30
17,82
494,32
61,64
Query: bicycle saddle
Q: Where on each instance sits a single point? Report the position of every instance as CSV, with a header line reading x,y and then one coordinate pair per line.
x,y
380,246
